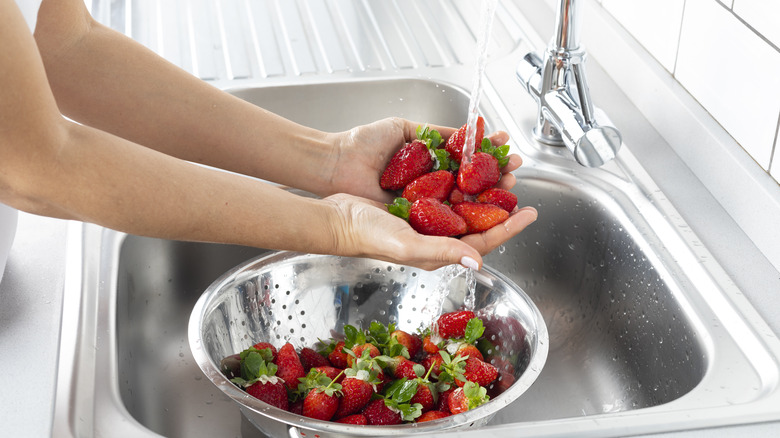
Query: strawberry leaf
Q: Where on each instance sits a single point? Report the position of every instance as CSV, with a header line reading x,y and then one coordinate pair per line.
x,y
443,161
500,152
474,329
353,335
400,207
430,137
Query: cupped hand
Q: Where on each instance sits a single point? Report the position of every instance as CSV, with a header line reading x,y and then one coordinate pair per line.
x,y
364,228
363,153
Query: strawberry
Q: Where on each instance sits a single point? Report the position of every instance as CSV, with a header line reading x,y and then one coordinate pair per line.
x,y
426,394
358,350
457,140
311,359
271,390
436,184
432,415
411,161
480,217
429,346
452,325
479,372
290,368
322,401
356,392
264,345
296,407
482,173
338,357
456,196
331,372
379,414
433,362
429,216
467,398
258,378
503,198
412,342
358,419
444,397
469,350
401,367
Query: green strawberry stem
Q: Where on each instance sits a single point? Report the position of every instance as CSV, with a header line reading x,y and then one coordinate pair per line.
x,y
400,207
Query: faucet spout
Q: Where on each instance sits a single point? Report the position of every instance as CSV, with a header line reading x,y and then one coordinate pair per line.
x,y
566,115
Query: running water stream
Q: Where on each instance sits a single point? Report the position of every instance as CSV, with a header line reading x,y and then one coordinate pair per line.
x,y
483,38
433,306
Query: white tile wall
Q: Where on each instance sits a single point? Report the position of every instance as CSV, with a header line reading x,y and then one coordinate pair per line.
x,y
656,25
726,53
762,15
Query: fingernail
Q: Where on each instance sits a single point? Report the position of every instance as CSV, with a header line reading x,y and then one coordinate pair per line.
x,y
470,263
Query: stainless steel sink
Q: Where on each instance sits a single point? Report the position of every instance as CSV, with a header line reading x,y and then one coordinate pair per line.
x,y
644,336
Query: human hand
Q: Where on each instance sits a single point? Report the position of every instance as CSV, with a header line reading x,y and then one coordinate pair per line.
x,y
364,151
364,228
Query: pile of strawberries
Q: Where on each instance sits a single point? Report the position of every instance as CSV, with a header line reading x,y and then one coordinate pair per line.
x,y
440,194
379,376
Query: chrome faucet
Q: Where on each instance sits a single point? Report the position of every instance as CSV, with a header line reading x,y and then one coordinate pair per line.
x,y
566,114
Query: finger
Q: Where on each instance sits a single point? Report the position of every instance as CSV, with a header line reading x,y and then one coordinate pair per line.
x,y
489,240
515,161
507,181
499,138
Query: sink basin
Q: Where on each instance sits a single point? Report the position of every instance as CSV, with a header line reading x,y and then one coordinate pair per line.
x,y
644,337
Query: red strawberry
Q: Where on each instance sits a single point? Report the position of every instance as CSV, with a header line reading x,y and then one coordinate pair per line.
x,y
270,389
402,367
338,357
263,345
444,398
425,395
467,398
479,372
311,359
331,372
355,394
429,346
430,217
457,140
359,419
437,185
456,197
482,173
469,350
453,324
411,161
433,362
321,402
412,342
378,414
290,368
373,351
503,198
432,415
296,407
480,217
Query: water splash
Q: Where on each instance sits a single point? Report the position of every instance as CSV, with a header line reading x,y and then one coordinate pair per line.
x,y
487,13
435,301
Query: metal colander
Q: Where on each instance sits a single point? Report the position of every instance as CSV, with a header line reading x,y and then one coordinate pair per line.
x,y
302,298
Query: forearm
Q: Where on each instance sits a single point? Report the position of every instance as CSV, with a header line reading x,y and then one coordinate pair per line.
x,y
103,179
105,80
